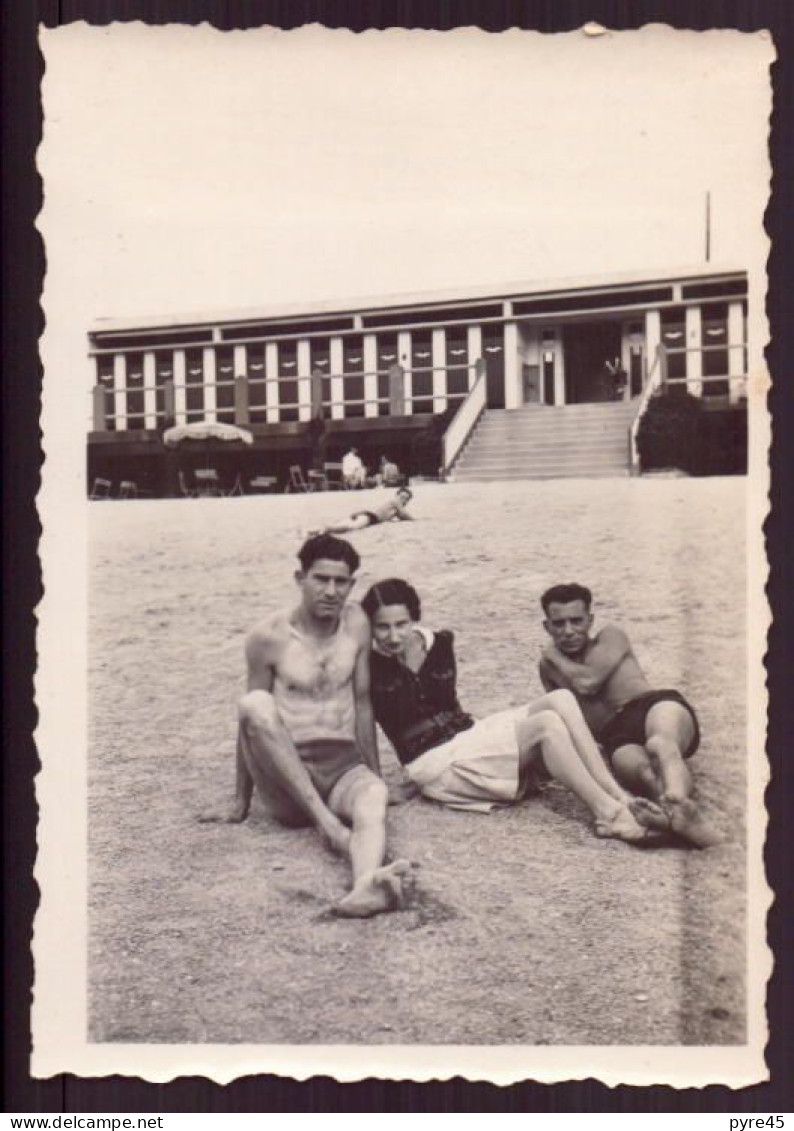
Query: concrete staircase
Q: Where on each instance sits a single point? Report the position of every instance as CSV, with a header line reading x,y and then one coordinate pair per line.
x,y
578,441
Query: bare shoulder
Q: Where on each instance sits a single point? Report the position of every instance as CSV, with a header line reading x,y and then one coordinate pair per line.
x,y
267,637
356,623
612,634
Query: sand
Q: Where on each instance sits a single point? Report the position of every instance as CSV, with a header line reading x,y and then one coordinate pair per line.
x,y
525,928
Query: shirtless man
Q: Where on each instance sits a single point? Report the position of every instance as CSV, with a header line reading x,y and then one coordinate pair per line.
x,y
306,735
393,511
646,735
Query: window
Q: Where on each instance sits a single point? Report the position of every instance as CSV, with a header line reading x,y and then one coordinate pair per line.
x,y
353,380
674,342
257,389
422,371
493,352
194,384
135,403
288,381
224,384
104,372
714,318
387,357
163,373
457,356
320,356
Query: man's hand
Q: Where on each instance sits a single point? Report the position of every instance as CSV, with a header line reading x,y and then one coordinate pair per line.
x,y
400,792
233,816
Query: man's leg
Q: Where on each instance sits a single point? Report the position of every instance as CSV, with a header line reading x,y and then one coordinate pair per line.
x,y
361,798
632,767
669,730
545,731
270,754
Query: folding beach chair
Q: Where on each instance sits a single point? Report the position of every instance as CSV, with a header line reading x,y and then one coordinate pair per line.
x,y
262,483
207,482
235,489
101,489
297,482
187,492
334,480
128,489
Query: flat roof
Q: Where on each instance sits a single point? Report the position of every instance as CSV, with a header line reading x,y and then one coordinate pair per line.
x,y
458,295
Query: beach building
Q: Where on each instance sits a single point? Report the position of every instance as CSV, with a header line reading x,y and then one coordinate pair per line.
x,y
534,379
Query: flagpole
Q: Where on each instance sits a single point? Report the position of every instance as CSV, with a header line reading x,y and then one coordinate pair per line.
x,y
708,227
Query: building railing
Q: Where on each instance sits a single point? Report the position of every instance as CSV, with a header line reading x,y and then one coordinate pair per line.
x,y
266,405
465,420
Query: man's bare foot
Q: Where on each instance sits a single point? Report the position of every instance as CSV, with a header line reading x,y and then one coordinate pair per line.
x,y
688,822
624,826
376,891
233,816
648,814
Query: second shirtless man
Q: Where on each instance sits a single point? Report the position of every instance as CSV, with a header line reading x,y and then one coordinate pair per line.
x,y
306,735
647,735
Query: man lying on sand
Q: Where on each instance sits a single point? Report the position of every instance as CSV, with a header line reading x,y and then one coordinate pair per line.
x,y
306,736
393,511
479,764
646,735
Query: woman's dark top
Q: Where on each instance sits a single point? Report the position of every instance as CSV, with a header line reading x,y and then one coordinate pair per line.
x,y
418,710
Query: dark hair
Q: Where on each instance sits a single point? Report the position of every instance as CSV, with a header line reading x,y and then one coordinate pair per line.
x,y
405,491
564,594
329,547
392,591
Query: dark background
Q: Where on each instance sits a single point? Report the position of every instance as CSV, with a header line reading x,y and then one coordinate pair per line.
x,y
23,262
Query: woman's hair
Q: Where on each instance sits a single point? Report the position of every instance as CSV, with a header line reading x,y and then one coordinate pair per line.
x,y
392,591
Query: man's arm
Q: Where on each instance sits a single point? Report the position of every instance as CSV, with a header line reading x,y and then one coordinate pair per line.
x,y
546,673
366,737
606,653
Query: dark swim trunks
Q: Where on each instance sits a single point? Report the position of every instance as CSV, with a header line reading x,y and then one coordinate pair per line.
x,y
627,726
328,760
373,518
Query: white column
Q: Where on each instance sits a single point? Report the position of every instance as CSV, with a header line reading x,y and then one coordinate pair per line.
x,y
559,368
653,340
694,361
475,349
736,356
240,368
404,357
179,386
370,374
209,379
149,390
304,380
337,367
271,373
512,369
439,355
120,398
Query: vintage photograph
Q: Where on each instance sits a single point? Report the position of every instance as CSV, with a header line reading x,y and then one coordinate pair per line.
x,y
402,705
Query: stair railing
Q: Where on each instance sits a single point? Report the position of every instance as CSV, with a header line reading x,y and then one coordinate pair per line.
x,y
465,420
653,382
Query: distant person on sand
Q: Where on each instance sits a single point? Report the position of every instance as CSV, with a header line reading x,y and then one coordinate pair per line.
x,y
646,735
479,764
389,473
354,473
393,511
306,737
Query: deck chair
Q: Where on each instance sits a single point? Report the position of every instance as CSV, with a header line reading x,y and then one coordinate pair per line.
x,y
317,481
262,483
235,489
297,482
187,492
207,482
333,477
101,489
128,489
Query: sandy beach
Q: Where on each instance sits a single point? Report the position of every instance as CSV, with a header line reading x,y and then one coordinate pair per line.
x,y
525,928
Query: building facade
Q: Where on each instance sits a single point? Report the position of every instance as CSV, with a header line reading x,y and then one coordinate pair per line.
x,y
380,369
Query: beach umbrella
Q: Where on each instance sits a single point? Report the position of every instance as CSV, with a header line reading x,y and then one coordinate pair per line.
x,y
204,430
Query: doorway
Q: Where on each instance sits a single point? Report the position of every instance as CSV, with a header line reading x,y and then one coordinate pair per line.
x,y
588,346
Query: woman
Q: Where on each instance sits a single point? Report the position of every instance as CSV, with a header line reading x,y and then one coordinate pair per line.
x,y
469,764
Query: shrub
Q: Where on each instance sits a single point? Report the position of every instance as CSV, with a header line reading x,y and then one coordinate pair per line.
x,y
669,432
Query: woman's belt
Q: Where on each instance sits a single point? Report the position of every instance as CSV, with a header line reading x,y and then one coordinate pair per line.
x,y
434,730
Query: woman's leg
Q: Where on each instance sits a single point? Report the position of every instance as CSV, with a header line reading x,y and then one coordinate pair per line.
x,y
564,704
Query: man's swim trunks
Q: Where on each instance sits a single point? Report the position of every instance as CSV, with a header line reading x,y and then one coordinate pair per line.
x,y
328,760
373,518
627,726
